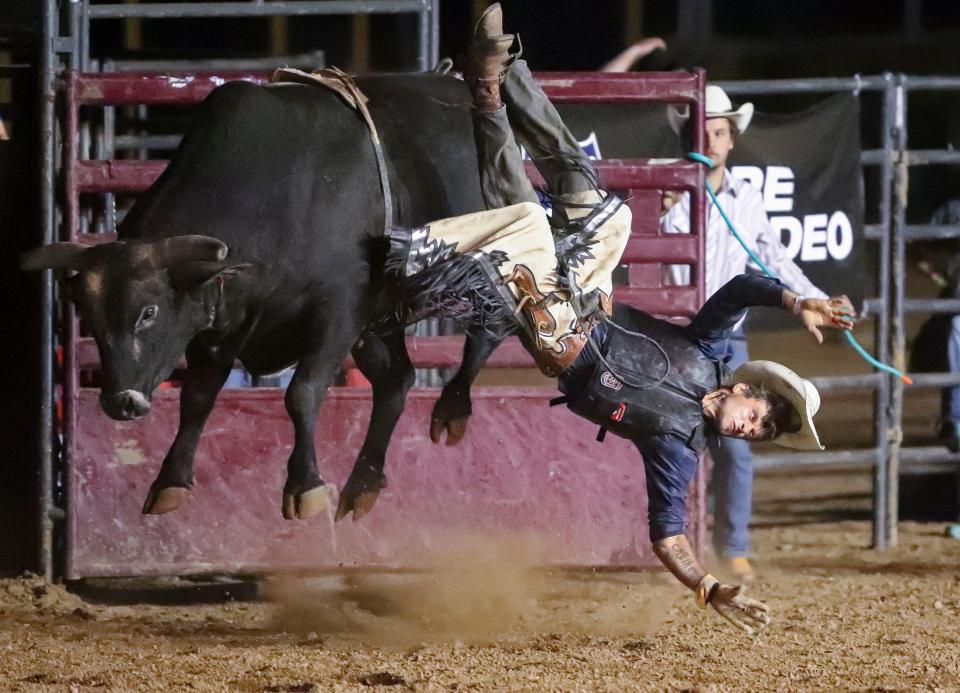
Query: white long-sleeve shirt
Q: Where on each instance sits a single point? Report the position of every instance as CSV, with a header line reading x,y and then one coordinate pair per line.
x,y
725,258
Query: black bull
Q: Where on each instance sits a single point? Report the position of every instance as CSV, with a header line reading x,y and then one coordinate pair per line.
x,y
263,241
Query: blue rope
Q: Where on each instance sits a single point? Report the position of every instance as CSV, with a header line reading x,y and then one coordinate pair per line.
x,y
708,162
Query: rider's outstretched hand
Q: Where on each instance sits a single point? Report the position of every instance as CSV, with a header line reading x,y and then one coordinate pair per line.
x,y
749,615
836,312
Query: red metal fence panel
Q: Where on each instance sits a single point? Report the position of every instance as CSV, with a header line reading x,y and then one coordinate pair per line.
x,y
521,467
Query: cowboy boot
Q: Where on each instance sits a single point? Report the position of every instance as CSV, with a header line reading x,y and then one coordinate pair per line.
x,y
554,347
488,59
490,23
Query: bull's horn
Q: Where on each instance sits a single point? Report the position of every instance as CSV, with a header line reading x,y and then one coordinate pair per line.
x,y
172,251
56,256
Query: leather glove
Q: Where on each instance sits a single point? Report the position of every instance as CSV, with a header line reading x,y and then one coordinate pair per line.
x,y
749,615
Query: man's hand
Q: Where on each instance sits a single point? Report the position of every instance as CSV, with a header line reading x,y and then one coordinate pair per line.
x,y
749,615
836,312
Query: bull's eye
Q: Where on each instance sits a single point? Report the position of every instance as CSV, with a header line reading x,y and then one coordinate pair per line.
x,y
147,317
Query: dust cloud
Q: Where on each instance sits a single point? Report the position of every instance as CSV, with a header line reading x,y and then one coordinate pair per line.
x,y
468,588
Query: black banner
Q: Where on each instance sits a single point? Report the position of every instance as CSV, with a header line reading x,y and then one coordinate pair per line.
x,y
806,164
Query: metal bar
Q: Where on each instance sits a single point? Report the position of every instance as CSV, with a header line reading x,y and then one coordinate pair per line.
x,y
125,142
312,59
924,232
929,454
622,87
178,10
681,249
901,181
874,306
45,429
881,310
423,40
71,384
82,37
934,82
118,89
698,207
931,305
117,175
563,87
434,32
932,157
872,157
872,232
807,86
833,383
934,380
813,459
698,226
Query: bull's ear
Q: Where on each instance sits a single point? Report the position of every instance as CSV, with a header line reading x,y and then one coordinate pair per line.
x,y
187,276
56,256
179,249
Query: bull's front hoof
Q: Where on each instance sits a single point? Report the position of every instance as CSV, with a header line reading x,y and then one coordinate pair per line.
x,y
359,497
455,429
300,506
165,500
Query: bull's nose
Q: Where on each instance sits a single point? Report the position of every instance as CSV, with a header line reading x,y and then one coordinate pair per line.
x,y
125,405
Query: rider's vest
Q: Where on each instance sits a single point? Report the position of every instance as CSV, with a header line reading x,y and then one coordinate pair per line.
x,y
672,406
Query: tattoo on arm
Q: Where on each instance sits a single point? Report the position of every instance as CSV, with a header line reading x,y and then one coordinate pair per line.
x,y
675,553
686,560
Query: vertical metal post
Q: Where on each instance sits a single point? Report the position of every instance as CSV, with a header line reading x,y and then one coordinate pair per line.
x,y
698,224
45,430
901,175
882,323
83,37
424,22
698,206
434,33
71,375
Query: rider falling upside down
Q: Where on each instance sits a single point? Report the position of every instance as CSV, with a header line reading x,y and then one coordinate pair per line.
x,y
507,268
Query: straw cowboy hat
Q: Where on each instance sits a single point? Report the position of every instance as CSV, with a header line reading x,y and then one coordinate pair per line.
x,y
718,106
801,393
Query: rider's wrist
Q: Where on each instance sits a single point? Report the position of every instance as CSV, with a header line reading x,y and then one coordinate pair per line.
x,y
798,304
705,589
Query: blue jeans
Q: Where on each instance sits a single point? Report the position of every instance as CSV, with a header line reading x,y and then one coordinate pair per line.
x,y
951,395
733,477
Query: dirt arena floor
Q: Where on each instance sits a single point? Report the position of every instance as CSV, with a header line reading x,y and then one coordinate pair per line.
x,y
844,618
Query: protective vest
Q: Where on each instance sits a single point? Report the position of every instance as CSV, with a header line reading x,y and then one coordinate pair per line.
x,y
672,406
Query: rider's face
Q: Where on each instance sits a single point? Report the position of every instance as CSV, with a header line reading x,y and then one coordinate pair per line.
x,y
740,416
719,140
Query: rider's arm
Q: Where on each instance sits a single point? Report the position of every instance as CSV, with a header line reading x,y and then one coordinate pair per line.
x,y
711,327
670,465
729,304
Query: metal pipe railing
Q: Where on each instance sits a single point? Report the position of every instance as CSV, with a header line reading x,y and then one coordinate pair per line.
x,y
883,525
46,426
427,11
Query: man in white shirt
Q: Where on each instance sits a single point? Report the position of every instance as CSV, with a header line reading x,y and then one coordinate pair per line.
x,y
725,259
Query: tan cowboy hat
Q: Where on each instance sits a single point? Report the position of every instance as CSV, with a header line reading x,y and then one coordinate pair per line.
x,y
718,106
802,394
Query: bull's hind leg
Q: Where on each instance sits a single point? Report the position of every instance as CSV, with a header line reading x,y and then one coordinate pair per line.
x,y
385,363
329,338
202,382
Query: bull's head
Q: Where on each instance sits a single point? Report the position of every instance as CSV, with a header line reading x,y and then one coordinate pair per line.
x,y
143,301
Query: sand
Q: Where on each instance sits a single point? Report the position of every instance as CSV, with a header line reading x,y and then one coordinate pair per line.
x,y
485,618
